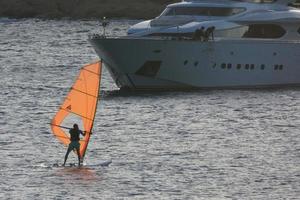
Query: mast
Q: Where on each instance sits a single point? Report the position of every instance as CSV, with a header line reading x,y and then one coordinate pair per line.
x,y
90,132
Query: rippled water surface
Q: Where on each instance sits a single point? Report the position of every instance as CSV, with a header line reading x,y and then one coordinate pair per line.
x,y
219,144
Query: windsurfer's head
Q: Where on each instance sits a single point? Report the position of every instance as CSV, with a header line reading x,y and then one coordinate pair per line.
x,y
75,126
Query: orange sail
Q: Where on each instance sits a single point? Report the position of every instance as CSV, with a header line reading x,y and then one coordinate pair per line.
x,y
79,106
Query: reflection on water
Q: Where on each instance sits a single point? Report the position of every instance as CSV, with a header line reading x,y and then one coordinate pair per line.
x,y
81,174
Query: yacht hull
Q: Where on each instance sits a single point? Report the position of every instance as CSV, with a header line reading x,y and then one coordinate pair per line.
x,y
139,63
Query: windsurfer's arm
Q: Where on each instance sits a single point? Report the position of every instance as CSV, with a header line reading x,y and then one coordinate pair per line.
x,y
85,132
82,132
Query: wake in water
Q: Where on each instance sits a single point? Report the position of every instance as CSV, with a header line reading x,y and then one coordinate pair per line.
x,y
75,165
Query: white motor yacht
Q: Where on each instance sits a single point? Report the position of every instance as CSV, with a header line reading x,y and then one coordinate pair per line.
x,y
251,43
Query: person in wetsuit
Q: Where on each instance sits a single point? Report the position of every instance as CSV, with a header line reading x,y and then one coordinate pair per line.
x,y
74,144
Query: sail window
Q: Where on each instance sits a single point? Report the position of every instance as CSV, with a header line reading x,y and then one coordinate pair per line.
x,y
264,31
203,11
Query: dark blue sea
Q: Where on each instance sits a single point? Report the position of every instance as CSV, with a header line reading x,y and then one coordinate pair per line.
x,y
207,144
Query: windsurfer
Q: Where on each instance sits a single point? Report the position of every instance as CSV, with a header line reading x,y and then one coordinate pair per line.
x,y
75,137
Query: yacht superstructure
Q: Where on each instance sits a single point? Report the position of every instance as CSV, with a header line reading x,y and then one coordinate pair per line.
x,y
256,44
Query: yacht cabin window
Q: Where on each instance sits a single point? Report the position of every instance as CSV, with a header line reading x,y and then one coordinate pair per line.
x,y
295,4
264,31
258,1
202,11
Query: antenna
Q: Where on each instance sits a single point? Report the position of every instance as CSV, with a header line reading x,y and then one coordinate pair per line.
x,y
104,24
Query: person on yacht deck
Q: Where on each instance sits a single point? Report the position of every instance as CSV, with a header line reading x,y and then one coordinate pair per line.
x,y
199,34
209,32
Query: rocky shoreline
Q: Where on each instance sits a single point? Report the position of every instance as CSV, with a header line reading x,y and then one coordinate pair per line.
x,y
82,9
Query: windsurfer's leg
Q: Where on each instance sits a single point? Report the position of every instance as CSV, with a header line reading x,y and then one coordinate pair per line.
x,y
78,154
66,156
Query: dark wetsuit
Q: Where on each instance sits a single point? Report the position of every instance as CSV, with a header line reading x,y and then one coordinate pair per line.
x,y
74,144
74,138
75,134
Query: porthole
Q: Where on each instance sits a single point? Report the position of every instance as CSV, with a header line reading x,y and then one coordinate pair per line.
x,y
276,67
280,67
247,66
196,63
229,66
262,67
238,66
185,62
223,66
252,66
